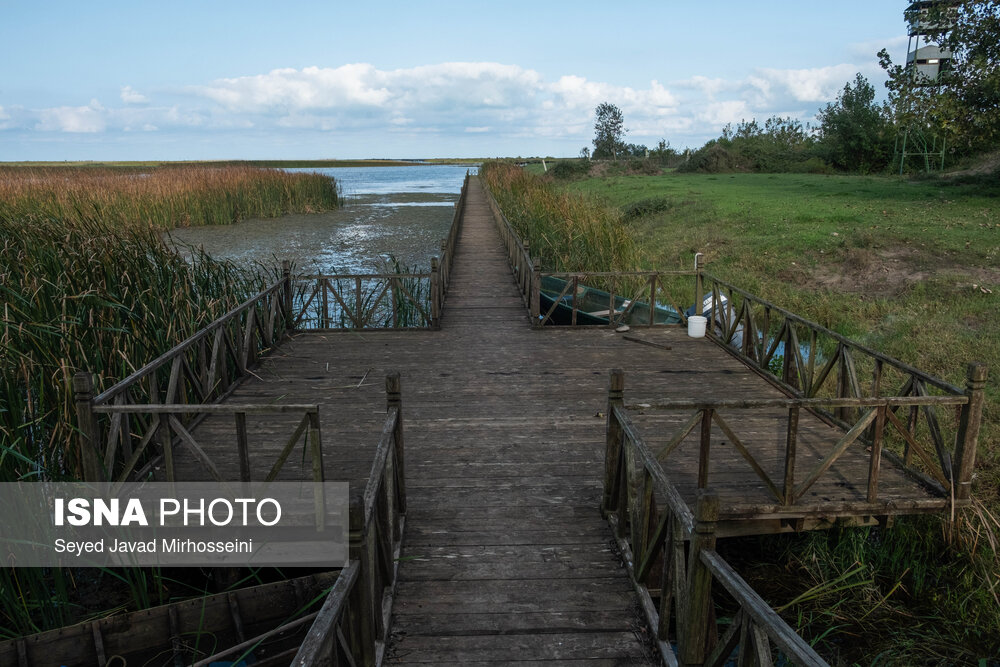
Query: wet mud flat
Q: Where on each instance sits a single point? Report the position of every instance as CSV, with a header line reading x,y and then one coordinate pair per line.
x,y
360,237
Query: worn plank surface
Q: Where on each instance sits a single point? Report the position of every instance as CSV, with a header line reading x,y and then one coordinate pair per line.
x,y
506,556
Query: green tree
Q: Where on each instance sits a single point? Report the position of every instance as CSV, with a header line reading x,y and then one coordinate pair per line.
x,y
609,131
964,106
855,132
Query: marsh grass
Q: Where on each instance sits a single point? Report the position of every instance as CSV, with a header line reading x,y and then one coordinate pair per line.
x,y
910,269
87,284
164,197
568,232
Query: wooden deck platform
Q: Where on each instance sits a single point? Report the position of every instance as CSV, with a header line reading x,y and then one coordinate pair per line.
x,y
506,556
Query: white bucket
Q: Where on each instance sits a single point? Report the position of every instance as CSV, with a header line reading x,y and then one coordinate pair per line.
x,y
696,326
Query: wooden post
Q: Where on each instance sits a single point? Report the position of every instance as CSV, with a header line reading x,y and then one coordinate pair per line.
x,y
89,435
242,447
791,439
435,295
613,441
875,463
286,293
699,306
361,551
535,298
968,430
394,399
694,638
705,448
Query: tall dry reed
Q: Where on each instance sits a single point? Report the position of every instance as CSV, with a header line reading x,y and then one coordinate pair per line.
x,y
162,197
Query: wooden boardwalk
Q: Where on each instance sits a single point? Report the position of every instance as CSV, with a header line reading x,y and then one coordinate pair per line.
x,y
506,556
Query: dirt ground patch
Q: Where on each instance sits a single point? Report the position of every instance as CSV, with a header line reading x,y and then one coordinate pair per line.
x,y
889,272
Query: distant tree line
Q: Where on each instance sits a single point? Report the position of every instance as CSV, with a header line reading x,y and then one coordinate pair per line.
x,y
856,133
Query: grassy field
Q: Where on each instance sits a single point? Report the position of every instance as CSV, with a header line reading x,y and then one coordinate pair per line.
x,y
909,268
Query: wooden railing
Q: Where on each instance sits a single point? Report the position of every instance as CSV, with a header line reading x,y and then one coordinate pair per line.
x,y
629,295
368,301
876,425
353,624
380,300
810,361
653,525
527,271
168,395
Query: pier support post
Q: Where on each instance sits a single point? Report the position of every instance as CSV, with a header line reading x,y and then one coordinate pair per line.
x,y
968,430
89,435
694,634
613,442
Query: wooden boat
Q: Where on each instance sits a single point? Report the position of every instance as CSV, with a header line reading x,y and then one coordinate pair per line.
x,y
595,307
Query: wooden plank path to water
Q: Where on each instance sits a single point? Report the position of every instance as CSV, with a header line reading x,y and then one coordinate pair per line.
x,y
506,556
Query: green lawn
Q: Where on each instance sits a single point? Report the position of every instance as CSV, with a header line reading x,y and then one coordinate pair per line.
x,y
909,268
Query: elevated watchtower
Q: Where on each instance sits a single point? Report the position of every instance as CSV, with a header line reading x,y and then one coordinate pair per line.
x,y
928,61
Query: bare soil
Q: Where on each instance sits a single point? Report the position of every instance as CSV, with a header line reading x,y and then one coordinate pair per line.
x,y
892,271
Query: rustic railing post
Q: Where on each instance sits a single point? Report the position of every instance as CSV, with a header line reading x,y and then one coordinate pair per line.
x,y
791,445
394,399
435,294
89,435
968,430
705,447
362,550
535,298
693,638
613,446
699,306
286,293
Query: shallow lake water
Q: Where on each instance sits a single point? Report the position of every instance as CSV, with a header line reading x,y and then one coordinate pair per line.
x,y
404,212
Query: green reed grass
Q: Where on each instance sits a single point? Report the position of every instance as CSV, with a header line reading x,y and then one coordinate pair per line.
x,y
568,232
87,284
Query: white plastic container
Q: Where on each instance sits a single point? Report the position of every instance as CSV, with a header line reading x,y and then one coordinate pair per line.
x,y
696,326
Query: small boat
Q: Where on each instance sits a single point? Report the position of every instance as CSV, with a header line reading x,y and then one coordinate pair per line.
x,y
595,307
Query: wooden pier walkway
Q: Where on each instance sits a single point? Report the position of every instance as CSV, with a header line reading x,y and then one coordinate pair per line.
x,y
506,556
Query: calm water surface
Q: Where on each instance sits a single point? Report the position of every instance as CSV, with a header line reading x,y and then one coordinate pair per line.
x,y
400,211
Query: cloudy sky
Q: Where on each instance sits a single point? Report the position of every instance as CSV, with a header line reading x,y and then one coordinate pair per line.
x,y
215,79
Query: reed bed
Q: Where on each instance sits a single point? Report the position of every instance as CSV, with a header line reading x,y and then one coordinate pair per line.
x,y
163,197
568,232
87,284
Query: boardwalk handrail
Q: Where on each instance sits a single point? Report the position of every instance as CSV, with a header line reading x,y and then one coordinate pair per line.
x,y
648,290
365,602
874,427
652,523
815,362
367,301
167,428
202,370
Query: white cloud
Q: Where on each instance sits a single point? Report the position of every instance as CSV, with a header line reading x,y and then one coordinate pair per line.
x,y
90,118
130,96
818,84
494,103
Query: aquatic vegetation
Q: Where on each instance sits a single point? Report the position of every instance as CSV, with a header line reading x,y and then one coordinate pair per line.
x,y
161,197
569,232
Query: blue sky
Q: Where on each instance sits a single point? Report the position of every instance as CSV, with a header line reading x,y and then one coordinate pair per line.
x,y
243,80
